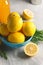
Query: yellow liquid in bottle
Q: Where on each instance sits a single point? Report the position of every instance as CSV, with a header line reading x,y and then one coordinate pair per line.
x,y
4,10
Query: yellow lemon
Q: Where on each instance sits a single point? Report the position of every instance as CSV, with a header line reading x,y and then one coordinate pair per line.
x,y
14,23
14,14
27,14
29,28
31,49
17,37
3,30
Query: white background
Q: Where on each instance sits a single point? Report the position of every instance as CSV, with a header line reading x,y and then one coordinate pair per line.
x,y
16,56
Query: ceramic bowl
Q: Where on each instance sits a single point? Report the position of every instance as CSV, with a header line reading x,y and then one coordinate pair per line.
x,y
14,45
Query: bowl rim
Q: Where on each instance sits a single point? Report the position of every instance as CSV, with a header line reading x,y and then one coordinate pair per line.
x,y
14,45
3,38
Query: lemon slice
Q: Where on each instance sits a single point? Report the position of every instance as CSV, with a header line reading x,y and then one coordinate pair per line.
x,y
28,14
31,49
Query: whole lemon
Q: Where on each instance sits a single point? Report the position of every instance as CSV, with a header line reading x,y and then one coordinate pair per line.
x,y
14,23
29,28
14,14
4,30
17,37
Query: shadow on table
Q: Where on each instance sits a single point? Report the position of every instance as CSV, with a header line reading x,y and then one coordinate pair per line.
x,y
28,1
22,55
6,48
21,0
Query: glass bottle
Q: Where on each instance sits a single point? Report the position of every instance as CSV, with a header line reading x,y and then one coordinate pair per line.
x,y
4,10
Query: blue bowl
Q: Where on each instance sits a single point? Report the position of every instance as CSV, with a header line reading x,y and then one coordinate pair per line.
x,y
14,45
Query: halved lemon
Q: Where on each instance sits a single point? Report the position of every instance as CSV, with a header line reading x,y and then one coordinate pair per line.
x,y
31,49
27,14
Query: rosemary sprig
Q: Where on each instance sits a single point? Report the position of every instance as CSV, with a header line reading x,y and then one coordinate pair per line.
x,y
38,36
3,54
3,51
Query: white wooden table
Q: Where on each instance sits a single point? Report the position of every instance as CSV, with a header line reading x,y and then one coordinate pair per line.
x,y
16,56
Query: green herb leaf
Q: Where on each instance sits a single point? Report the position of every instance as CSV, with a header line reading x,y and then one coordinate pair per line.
x,y
38,36
3,54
